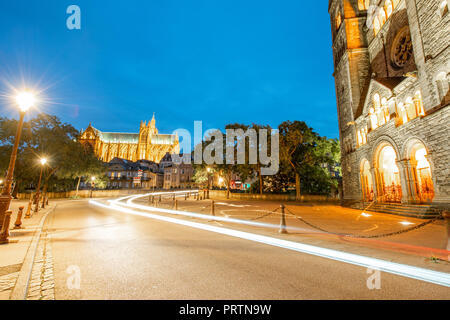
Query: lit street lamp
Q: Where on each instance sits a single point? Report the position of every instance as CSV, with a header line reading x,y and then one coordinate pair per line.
x,y
43,161
25,101
209,181
92,185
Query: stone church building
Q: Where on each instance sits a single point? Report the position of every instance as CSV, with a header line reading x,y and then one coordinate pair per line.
x,y
148,144
392,67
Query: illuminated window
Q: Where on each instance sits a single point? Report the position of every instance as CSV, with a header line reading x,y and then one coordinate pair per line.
x,y
376,25
385,110
363,4
442,85
338,20
410,108
419,104
443,8
402,115
388,8
373,119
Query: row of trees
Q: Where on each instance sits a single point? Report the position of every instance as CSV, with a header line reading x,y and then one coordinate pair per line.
x,y
46,136
307,161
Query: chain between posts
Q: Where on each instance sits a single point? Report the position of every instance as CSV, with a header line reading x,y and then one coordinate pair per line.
x,y
364,236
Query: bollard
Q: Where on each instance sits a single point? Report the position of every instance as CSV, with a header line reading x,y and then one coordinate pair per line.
x,y
46,200
43,203
283,220
175,205
185,197
198,196
204,194
4,233
207,193
159,198
446,215
212,208
28,213
18,223
150,199
173,197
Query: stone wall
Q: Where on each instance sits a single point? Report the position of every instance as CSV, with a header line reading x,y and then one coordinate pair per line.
x,y
271,197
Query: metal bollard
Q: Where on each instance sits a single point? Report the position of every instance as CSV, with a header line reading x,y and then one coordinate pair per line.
x,y
4,234
46,200
283,220
446,215
198,196
18,223
43,202
212,208
159,198
175,205
185,196
28,213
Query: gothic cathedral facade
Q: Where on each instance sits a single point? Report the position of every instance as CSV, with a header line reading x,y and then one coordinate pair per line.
x,y
392,67
148,144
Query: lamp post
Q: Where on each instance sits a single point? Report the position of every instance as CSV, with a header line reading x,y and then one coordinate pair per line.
x,y
43,161
92,184
25,101
209,182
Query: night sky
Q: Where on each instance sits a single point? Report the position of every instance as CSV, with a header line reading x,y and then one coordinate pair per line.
x,y
220,62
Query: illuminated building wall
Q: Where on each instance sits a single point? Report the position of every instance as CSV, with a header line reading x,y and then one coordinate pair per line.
x,y
392,66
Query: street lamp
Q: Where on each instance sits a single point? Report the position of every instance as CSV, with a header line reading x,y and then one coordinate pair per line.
x,y
43,161
92,185
24,100
209,181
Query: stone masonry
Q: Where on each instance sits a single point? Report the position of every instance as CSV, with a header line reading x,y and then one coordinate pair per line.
x,y
392,67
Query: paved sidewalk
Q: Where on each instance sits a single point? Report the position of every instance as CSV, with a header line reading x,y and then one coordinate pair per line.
x,y
13,254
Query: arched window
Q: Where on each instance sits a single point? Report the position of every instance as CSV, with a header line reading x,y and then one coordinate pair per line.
x,y
443,8
376,25
382,17
373,119
410,108
419,104
388,8
402,115
338,20
385,110
442,85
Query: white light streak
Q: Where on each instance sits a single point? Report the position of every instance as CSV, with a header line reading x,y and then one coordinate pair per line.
x,y
403,270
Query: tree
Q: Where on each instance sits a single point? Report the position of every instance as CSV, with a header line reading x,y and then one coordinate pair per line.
x,y
297,142
46,136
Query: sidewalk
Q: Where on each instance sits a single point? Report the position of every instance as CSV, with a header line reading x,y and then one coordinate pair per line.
x,y
14,254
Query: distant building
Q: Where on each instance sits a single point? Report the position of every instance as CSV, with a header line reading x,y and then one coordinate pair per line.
x,y
125,174
176,176
148,144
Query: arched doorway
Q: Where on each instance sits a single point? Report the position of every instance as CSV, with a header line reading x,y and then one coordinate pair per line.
x,y
421,171
390,189
366,181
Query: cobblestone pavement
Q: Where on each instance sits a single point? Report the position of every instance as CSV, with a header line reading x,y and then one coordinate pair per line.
x,y
7,283
42,282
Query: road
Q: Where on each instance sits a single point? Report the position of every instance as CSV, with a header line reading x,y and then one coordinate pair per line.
x,y
122,256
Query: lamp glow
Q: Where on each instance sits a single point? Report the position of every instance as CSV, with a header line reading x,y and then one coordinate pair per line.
x,y
43,161
25,100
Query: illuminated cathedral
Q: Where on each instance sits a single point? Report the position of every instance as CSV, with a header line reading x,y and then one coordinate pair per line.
x,y
148,144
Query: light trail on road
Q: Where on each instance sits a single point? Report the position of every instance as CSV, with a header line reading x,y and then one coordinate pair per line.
x,y
431,276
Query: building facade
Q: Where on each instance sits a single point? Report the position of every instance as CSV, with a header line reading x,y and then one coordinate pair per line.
x,y
148,144
142,174
392,64
177,175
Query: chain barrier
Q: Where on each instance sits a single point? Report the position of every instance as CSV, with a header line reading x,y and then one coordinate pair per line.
x,y
265,215
364,236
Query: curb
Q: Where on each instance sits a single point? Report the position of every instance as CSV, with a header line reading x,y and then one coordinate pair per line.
x,y
21,288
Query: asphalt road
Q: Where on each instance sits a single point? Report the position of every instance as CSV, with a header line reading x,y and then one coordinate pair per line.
x,y
122,256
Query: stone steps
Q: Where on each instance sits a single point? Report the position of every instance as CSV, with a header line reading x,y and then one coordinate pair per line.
x,y
407,210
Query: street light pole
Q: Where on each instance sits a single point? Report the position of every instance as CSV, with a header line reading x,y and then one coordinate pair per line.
x,y
5,197
38,191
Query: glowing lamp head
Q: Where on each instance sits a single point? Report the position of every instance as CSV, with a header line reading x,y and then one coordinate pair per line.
x,y
1,181
208,169
92,178
221,180
43,161
25,100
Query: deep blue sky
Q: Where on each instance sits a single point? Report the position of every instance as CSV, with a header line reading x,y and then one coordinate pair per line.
x,y
221,62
